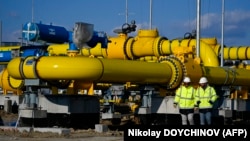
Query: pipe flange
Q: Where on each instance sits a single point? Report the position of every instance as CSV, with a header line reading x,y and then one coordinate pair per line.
x,y
182,70
125,47
157,48
178,70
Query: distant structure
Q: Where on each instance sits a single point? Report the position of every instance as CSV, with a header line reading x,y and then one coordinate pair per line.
x,y
11,43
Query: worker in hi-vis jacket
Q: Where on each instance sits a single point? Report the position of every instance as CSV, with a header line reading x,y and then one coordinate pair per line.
x,y
205,97
185,99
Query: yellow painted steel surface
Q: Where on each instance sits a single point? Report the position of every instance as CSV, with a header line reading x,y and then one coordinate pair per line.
x,y
153,45
8,83
193,70
234,52
16,73
207,54
135,71
149,43
89,69
237,53
142,44
96,51
4,83
227,76
57,49
8,48
29,70
116,47
209,41
136,60
16,83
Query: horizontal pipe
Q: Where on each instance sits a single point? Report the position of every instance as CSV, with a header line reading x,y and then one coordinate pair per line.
x,y
89,69
227,76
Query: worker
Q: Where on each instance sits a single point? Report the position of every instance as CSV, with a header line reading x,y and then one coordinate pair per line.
x,y
205,97
185,99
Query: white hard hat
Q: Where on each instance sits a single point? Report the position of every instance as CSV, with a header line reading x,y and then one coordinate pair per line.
x,y
186,80
203,80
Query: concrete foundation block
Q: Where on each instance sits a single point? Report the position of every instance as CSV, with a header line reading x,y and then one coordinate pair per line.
x,y
101,128
226,113
60,131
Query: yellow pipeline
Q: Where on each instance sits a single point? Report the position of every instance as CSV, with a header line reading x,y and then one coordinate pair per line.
x,y
89,69
207,54
10,84
146,43
116,47
227,76
62,50
119,71
235,53
57,49
149,43
209,41
142,45
97,51
8,48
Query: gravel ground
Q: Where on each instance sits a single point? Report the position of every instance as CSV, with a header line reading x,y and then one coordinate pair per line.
x,y
74,135
78,135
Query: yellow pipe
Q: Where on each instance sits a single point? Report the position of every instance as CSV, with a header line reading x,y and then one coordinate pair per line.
x,y
8,48
89,86
57,49
97,51
237,53
210,41
227,76
142,45
234,53
149,59
119,71
149,43
146,43
207,54
10,84
116,47
89,69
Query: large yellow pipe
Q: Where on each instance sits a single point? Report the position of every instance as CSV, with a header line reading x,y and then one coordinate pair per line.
x,y
89,69
227,76
117,71
7,83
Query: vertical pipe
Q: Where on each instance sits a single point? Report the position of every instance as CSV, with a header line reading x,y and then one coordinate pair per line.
x,y
0,33
150,15
126,11
222,34
32,11
198,29
21,35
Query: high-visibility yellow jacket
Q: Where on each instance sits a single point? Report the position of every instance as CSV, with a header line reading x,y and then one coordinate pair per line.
x,y
205,98
185,97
